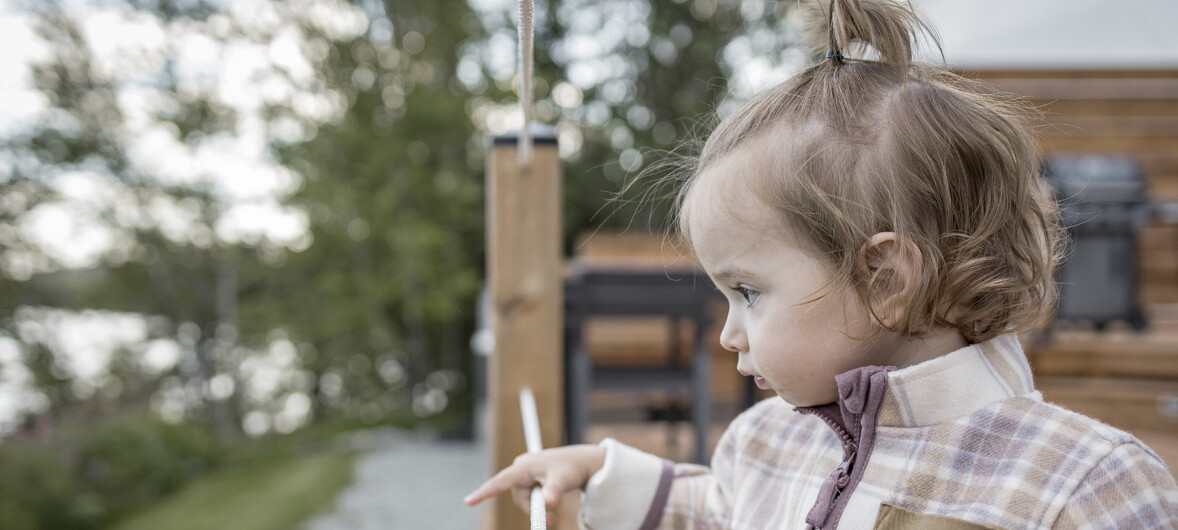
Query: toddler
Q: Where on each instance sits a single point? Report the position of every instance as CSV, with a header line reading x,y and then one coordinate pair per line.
x,y
880,232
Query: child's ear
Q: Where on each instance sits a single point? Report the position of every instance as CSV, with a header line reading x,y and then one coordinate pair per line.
x,y
893,269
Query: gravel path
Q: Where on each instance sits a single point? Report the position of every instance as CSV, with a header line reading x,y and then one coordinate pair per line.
x,y
409,481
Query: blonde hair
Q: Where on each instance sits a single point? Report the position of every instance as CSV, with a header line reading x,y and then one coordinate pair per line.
x,y
894,145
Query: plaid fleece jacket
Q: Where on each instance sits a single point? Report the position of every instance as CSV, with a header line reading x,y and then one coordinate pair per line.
x,y
963,440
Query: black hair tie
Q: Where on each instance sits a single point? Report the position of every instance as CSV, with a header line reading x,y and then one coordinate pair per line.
x,y
833,52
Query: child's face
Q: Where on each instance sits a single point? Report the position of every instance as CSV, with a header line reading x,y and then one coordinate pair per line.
x,y
790,346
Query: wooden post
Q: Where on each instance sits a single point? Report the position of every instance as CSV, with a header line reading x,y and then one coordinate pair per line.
x,y
524,273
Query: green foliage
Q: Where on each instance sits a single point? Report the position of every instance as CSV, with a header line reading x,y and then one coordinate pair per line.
x,y
140,472
128,464
379,299
37,488
274,495
90,476
396,214
383,293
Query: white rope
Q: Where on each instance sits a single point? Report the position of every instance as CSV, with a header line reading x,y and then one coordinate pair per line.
x,y
527,401
531,420
525,79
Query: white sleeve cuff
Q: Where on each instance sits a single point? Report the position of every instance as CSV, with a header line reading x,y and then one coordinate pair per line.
x,y
621,494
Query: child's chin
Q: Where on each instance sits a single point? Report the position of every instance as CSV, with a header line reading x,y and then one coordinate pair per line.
x,y
803,401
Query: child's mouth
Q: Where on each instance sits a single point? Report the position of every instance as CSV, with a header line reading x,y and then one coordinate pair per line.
x,y
760,381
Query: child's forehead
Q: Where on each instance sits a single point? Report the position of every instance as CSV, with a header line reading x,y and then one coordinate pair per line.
x,y
717,214
733,188
731,201
719,206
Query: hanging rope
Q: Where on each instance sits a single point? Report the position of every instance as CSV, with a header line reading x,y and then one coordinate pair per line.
x,y
531,421
525,80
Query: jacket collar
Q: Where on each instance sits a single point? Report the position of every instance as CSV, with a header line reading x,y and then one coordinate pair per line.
x,y
853,419
935,391
957,384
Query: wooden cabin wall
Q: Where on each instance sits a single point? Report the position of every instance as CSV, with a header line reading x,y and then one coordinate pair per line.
x,y
1117,112
1131,112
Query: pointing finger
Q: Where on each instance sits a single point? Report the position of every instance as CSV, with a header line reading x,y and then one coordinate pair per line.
x,y
502,481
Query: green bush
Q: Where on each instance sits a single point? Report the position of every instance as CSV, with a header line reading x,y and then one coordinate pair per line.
x,y
36,488
90,475
128,464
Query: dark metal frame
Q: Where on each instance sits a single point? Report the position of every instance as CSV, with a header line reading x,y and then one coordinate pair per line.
x,y
681,294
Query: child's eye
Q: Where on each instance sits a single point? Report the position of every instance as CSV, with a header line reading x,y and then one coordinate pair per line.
x,y
748,292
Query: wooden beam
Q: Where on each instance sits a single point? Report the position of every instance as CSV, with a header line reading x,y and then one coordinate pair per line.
x,y
524,274
1119,353
1130,404
1163,88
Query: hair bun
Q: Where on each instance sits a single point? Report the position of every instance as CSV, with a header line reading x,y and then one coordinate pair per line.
x,y
859,27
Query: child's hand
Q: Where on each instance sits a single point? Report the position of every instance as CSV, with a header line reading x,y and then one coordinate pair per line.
x,y
558,470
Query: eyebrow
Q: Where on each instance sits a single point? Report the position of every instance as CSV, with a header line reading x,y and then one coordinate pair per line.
x,y
729,274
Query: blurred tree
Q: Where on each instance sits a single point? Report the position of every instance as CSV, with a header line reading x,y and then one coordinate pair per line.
x,y
128,148
378,113
633,87
384,297
378,294
86,136
349,281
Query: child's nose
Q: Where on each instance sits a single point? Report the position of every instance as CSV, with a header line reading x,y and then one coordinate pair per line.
x,y
732,337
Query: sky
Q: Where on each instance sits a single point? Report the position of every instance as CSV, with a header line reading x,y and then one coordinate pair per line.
x,y
1056,33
